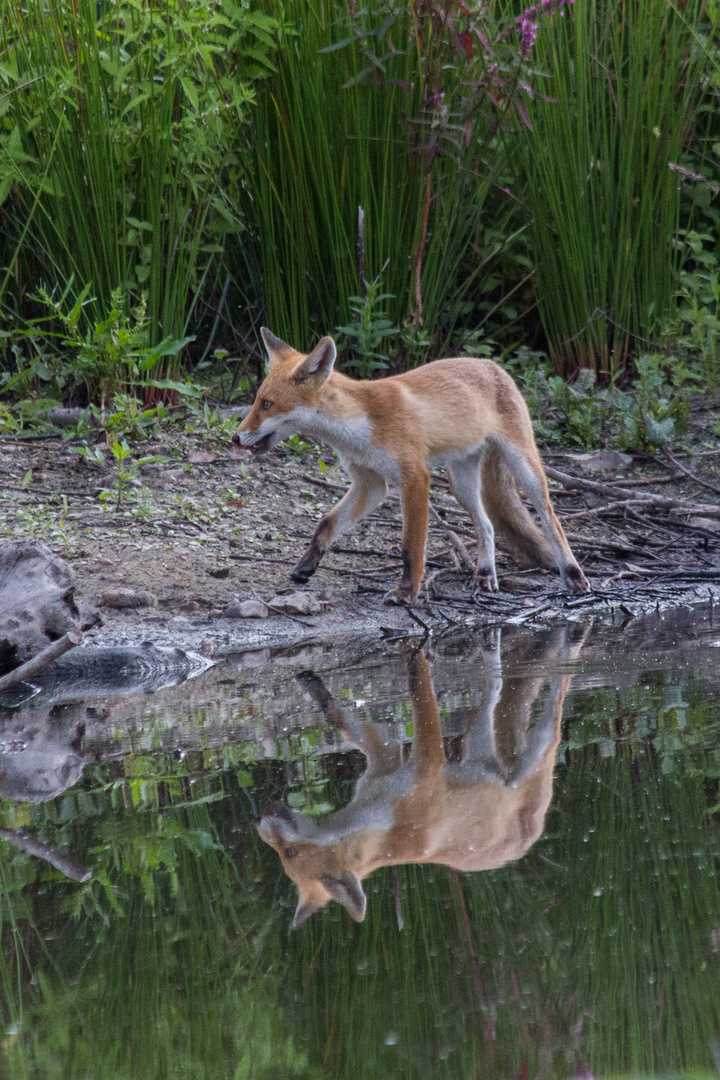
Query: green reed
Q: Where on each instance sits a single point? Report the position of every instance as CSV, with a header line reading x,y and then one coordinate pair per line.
x,y
364,112
116,152
623,81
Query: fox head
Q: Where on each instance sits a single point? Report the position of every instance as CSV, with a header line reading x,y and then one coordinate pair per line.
x,y
320,870
291,388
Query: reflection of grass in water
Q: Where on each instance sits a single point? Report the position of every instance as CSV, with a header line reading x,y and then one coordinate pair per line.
x,y
177,961
163,966
626,980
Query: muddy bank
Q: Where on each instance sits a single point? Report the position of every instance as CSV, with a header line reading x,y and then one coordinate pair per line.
x,y
208,530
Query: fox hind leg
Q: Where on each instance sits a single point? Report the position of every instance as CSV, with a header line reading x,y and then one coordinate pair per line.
x,y
466,485
530,476
366,492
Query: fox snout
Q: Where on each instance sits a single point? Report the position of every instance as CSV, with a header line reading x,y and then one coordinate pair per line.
x,y
258,437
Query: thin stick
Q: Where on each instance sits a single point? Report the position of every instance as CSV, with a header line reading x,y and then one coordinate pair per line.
x,y
361,251
454,540
32,846
691,475
571,515
52,652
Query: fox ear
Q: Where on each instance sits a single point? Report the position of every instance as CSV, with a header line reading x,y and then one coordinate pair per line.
x,y
347,890
319,364
274,344
303,911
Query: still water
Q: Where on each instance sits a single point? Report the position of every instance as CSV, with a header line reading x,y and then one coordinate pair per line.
x,y
486,857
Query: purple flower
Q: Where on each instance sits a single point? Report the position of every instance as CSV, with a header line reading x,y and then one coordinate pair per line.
x,y
526,24
528,33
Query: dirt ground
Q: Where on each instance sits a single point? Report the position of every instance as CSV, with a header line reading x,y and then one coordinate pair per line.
x,y
212,525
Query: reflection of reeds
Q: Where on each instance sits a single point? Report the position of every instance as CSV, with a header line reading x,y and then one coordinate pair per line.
x,y
177,960
599,943
159,975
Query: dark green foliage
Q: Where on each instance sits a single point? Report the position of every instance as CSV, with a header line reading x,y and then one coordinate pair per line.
x,y
377,111
115,164
624,80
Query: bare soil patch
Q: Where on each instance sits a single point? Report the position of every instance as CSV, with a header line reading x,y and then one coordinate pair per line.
x,y
212,526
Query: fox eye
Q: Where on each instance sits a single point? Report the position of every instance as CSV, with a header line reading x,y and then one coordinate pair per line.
x,y
265,405
290,852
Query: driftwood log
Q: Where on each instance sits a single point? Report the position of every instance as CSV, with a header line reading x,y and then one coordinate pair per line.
x,y
37,601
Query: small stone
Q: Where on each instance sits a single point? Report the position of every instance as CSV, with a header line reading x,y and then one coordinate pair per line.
x,y
190,607
246,609
127,598
219,572
297,603
201,457
602,461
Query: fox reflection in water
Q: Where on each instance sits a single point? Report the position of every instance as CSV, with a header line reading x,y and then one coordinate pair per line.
x,y
477,813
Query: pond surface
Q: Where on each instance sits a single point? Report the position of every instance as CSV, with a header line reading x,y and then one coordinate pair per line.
x,y
500,854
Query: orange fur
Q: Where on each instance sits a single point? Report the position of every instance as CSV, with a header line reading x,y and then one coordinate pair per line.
x,y
464,414
475,814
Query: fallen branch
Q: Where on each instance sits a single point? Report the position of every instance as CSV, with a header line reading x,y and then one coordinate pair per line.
x,y
691,475
43,658
674,506
620,504
31,846
454,540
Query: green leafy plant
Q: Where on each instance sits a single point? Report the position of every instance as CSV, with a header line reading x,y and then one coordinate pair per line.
x,y
656,409
581,406
644,414
371,328
126,482
118,165
699,304
62,351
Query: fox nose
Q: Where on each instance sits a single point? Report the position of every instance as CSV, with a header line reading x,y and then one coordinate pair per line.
x,y
236,439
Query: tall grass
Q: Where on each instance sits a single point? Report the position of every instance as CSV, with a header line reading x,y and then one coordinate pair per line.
x,y
604,204
365,111
115,157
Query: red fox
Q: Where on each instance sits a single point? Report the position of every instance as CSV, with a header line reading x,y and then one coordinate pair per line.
x,y
475,814
464,414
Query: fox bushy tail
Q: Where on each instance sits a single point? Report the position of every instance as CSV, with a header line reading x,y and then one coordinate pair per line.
x,y
511,520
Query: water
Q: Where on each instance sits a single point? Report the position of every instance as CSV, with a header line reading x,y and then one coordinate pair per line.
x,y
579,781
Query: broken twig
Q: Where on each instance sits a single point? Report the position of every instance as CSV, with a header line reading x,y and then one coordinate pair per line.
x,y
43,658
31,846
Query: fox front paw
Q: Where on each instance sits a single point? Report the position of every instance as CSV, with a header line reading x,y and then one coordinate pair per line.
x,y
402,595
